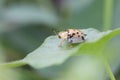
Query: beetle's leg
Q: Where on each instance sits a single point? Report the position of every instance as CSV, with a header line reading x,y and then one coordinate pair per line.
x,y
61,42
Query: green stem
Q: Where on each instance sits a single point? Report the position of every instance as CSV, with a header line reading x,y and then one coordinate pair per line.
x,y
12,64
107,66
112,77
107,18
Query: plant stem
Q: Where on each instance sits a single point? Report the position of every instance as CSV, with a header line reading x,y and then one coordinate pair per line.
x,y
107,66
12,64
112,77
107,18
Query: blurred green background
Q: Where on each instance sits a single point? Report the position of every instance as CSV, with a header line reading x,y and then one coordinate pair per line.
x,y
24,25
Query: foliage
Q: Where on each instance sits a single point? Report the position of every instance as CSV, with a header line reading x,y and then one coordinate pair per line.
x,y
49,54
26,24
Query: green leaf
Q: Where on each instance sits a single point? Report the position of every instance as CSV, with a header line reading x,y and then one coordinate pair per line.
x,y
97,46
85,67
49,54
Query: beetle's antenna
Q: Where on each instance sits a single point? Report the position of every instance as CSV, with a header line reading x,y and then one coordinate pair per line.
x,y
55,32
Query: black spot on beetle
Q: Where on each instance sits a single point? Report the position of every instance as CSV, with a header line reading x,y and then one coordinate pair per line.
x,y
73,34
78,35
68,35
59,36
77,32
83,38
